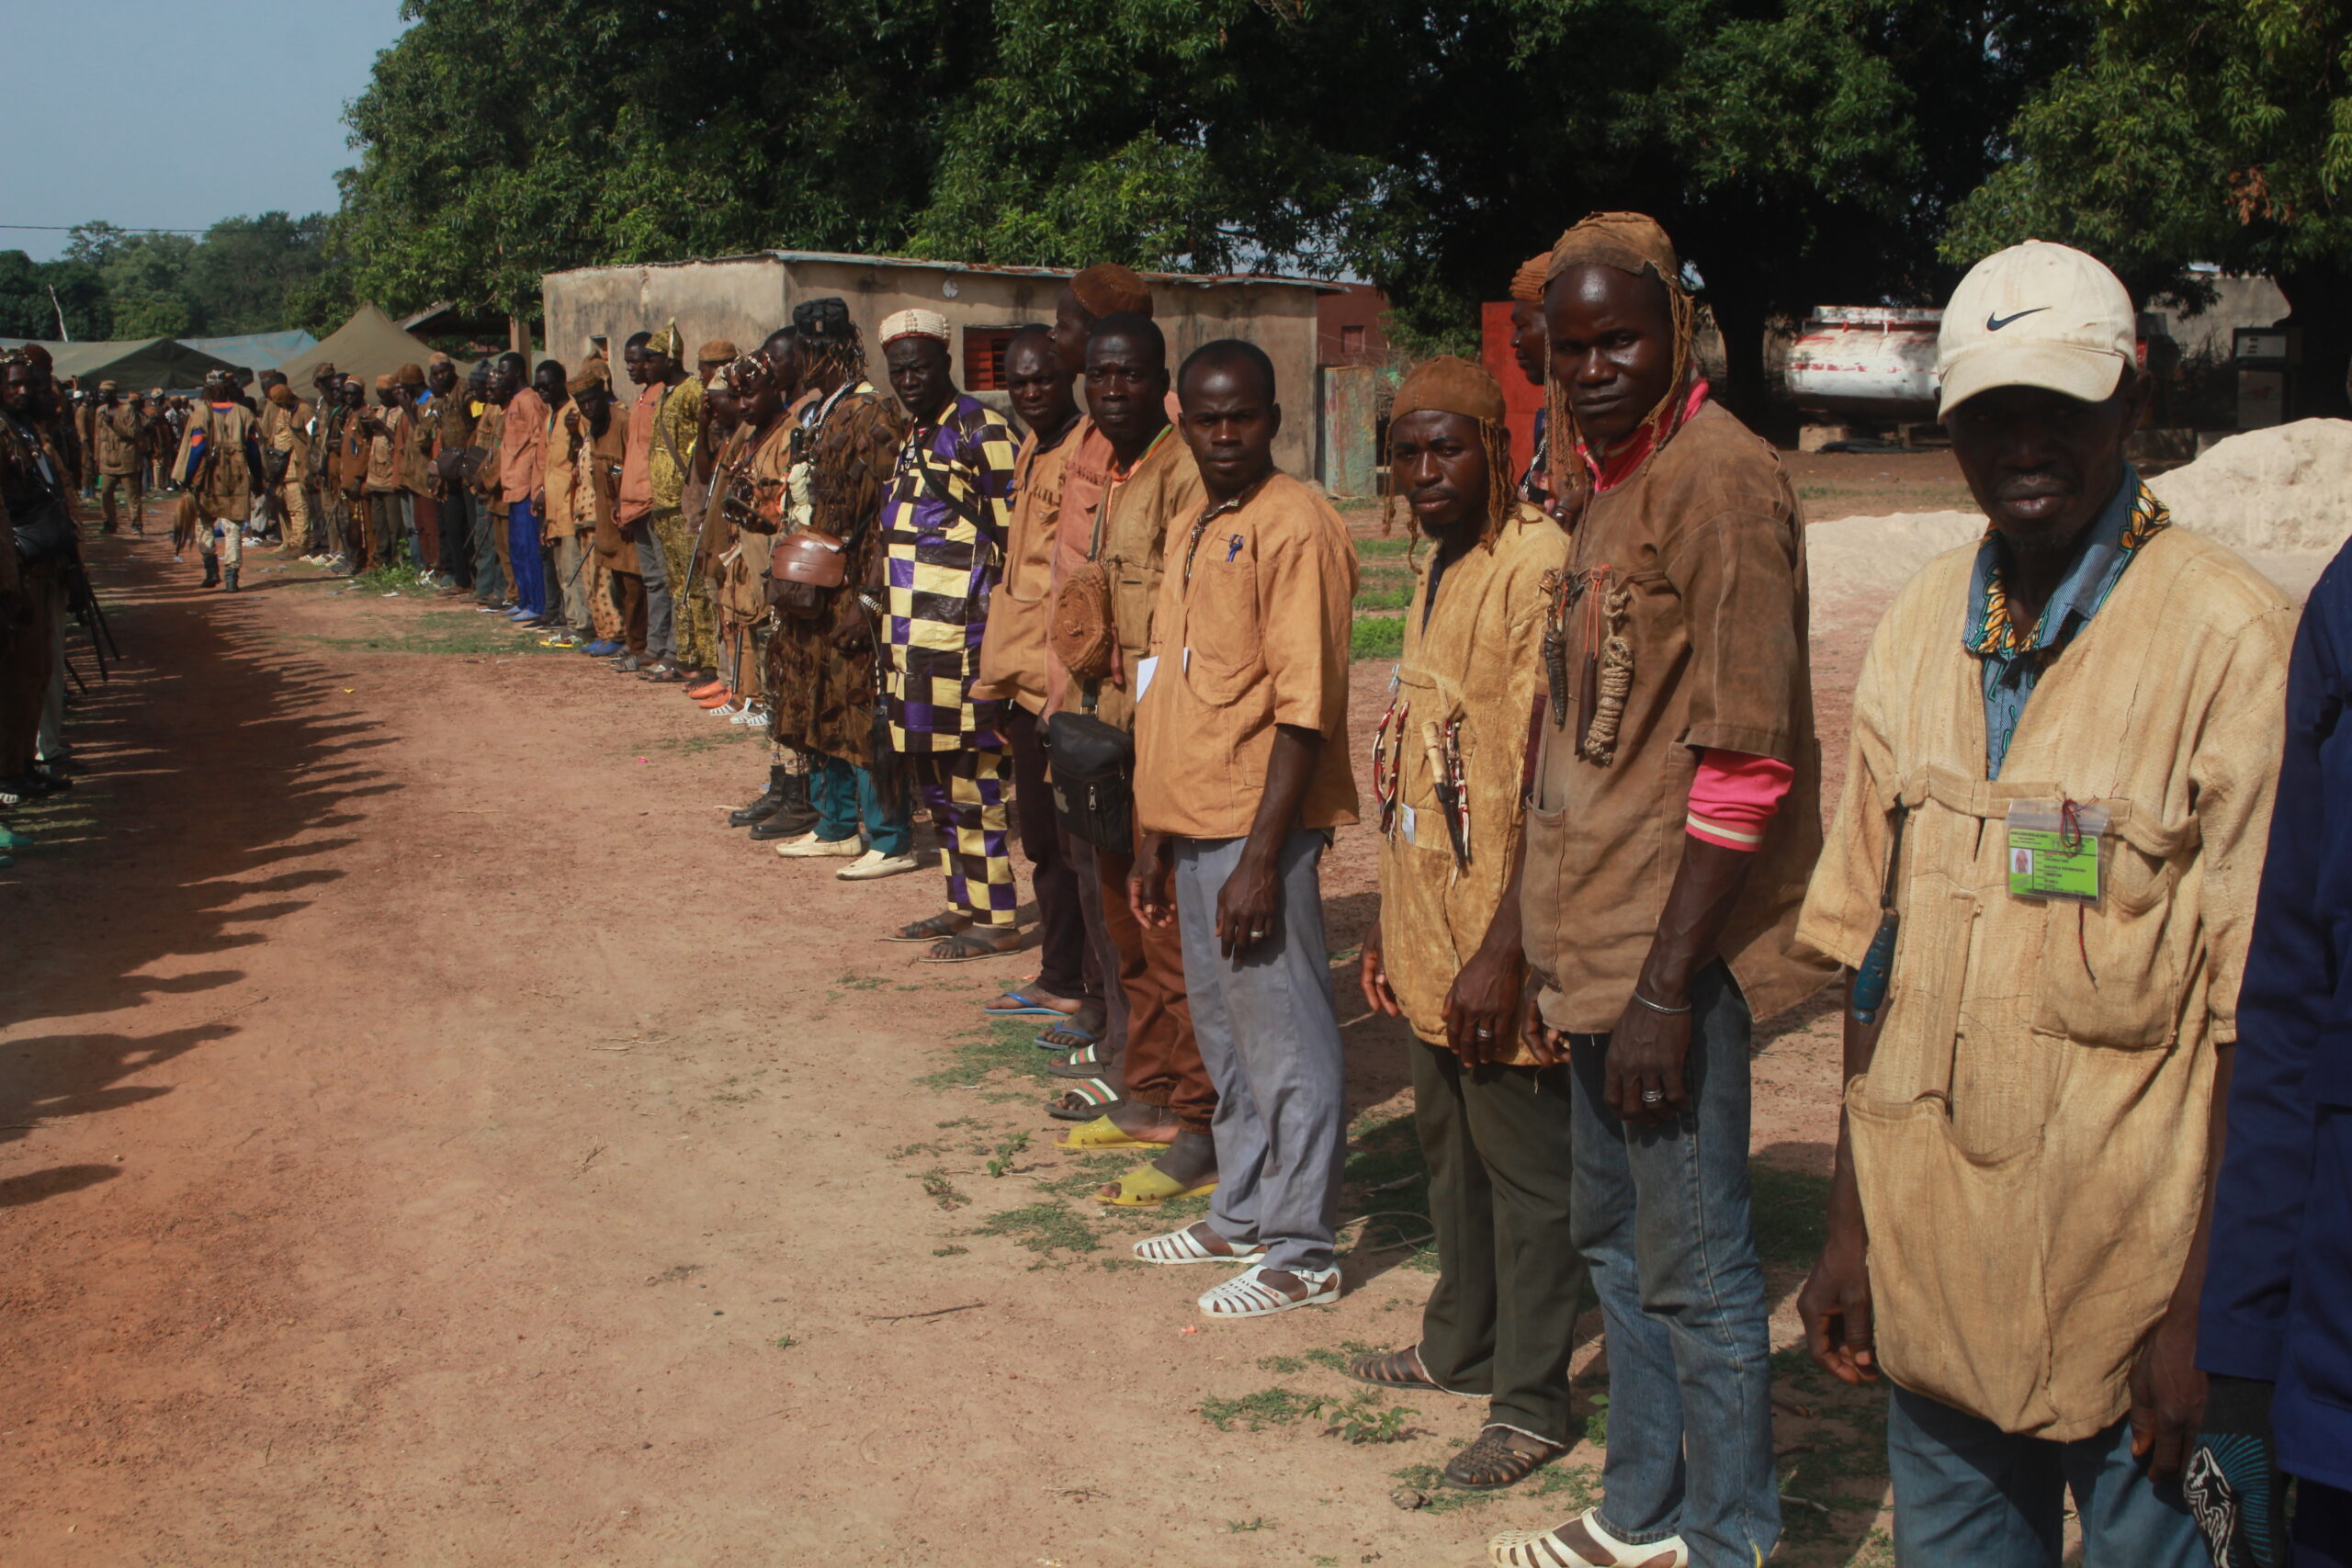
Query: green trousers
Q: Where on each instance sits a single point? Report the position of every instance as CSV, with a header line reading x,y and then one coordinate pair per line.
x,y
1510,1281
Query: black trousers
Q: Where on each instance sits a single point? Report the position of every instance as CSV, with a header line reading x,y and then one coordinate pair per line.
x,y
457,534
1510,1281
1062,969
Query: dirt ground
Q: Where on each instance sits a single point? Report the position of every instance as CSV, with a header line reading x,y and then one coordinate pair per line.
x,y
431,1137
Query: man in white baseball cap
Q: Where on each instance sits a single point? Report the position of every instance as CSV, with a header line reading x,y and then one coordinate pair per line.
x,y
2064,743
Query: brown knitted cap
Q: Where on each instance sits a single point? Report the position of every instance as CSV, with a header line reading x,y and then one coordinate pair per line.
x,y
282,395
718,348
1527,283
1107,288
410,375
592,372
1627,241
1451,385
384,382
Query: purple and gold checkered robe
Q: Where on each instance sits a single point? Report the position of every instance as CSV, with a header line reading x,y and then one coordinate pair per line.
x,y
943,527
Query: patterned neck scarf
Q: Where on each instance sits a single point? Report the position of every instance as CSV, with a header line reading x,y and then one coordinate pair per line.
x,y
1993,632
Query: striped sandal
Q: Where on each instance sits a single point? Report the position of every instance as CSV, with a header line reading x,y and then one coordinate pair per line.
x,y
1582,1544
1085,1101
1247,1295
1183,1246
1086,1063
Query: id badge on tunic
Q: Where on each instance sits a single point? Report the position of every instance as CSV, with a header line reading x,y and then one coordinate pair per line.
x,y
1406,824
2054,850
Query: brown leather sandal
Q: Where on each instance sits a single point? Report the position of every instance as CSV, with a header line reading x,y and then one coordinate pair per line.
x,y
1392,1369
1493,1462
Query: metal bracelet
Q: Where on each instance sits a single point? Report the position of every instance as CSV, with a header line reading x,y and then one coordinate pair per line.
x,y
1658,1007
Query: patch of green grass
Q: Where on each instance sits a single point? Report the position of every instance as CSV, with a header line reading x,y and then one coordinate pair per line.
x,y
941,1190
1430,1482
1395,545
1339,1360
949,1251
1579,1484
959,1121
1791,1210
1255,1411
913,1149
458,632
1236,1527
1044,1228
1005,1152
999,1044
1282,1366
854,982
1377,636
784,1341
1388,1177
1596,1424
1364,1419
1385,593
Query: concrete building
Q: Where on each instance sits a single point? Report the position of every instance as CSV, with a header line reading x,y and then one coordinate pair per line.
x,y
742,299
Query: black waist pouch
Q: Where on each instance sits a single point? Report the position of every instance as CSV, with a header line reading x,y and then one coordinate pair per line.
x,y
1094,767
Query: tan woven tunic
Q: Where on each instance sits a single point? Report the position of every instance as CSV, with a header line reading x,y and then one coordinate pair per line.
x,y
1477,661
2031,1137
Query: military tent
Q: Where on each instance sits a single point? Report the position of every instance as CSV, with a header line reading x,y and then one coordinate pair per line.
x,y
154,362
369,344
255,351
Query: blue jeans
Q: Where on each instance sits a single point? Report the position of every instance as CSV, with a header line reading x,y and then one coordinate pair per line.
x,y
1661,1216
523,548
844,797
1968,1495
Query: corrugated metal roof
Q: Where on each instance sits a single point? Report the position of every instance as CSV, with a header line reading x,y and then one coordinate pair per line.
x,y
1174,279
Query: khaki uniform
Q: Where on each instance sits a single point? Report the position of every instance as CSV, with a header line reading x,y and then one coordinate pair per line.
x,y
287,433
2029,1140
222,487
115,444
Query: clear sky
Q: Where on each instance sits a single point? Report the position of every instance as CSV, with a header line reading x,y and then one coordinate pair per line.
x,y
121,89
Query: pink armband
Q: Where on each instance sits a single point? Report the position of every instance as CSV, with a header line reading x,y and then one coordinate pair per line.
x,y
1735,796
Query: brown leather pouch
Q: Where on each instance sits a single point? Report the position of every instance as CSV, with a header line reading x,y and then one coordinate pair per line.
x,y
1081,632
809,556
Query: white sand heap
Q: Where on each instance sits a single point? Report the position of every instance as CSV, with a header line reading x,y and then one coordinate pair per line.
x,y
2282,497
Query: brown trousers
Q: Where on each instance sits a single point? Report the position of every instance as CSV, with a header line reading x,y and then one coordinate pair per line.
x,y
1162,1066
428,529
631,592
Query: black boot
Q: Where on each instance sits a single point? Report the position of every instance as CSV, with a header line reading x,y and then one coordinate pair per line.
x,y
230,577
212,571
764,806
793,815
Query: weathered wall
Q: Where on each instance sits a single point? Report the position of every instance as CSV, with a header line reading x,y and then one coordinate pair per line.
x,y
741,300
744,299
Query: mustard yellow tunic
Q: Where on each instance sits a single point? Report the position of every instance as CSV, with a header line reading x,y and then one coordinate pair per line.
x,y
1476,666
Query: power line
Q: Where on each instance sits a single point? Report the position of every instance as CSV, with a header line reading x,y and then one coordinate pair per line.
x,y
69,228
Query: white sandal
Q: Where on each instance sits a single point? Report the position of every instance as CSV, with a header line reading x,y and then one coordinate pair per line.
x,y
1545,1549
1247,1295
1183,1246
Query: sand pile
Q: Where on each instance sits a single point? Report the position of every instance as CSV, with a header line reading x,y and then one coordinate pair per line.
x,y
2282,497
2287,490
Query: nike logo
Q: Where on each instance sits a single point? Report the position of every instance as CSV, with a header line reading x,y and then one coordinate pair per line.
x,y
1994,323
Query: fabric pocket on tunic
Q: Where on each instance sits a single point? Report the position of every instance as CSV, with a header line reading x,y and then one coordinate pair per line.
x,y
1221,631
2111,972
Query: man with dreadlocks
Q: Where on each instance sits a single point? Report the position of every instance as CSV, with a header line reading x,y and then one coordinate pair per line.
x,y
820,656
1676,817
1448,761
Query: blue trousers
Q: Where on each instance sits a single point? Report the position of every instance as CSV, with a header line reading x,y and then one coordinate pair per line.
x,y
1661,1215
844,798
1968,1495
523,547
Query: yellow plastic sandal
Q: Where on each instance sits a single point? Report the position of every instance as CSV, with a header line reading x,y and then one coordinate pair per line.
x,y
1147,1187
1102,1134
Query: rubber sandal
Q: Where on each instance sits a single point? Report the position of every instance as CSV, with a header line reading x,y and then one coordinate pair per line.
x,y
1183,1246
1147,1187
1545,1549
967,947
929,929
1073,1038
1246,1295
1371,1369
1100,1135
1093,1095
1082,1065
1024,1007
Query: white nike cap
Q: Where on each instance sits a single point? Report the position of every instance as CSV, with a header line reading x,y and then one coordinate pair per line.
x,y
2035,315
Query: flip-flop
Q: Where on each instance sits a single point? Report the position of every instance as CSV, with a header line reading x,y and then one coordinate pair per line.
x,y
928,929
1089,1038
1081,1065
1093,1095
1024,1007
1100,1135
1147,1187
969,947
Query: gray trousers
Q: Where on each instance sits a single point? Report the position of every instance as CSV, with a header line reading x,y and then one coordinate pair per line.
x,y
569,578
50,740
1271,1042
661,609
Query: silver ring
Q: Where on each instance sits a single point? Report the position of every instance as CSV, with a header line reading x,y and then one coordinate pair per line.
x,y
1486,1034
1257,930
1652,1096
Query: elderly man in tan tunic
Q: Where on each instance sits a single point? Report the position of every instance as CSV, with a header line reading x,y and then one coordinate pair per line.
x,y
2064,743
1447,767
115,429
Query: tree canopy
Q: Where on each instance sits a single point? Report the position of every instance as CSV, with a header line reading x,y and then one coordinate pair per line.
x,y
1798,149
246,274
